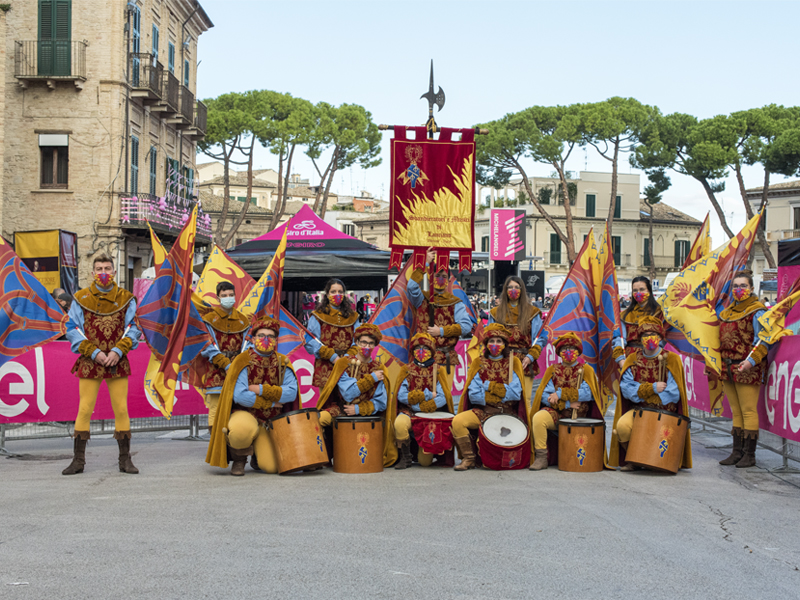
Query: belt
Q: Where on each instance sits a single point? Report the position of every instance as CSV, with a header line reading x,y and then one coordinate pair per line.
x,y
728,362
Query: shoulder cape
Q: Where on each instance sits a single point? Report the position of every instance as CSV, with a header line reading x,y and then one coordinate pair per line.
x,y
675,367
327,319
118,297
728,314
535,313
217,454
441,378
339,367
220,322
632,316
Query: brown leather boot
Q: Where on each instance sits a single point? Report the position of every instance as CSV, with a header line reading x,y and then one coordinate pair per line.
x,y
628,466
749,444
79,454
404,449
737,453
124,442
240,460
467,454
540,460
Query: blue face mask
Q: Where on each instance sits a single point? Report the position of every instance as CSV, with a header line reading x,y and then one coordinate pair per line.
x,y
227,302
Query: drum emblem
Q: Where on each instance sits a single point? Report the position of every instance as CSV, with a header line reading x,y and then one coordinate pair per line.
x,y
363,438
319,439
666,433
581,440
663,446
510,459
432,434
581,456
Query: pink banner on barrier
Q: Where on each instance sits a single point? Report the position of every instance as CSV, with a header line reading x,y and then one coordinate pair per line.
x,y
38,386
779,402
786,278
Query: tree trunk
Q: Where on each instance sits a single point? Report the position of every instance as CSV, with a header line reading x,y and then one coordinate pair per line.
x,y
650,247
720,214
334,166
322,183
243,212
226,166
762,239
613,204
274,221
570,241
535,202
277,215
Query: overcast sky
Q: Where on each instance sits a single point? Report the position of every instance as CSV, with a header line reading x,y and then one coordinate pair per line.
x,y
495,57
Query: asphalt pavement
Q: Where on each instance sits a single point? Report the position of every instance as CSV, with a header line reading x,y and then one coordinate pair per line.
x,y
182,529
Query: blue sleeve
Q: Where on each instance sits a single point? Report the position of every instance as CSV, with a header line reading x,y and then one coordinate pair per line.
x,y
462,318
289,386
513,390
550,388
618,341
75,333
378,399
348,387
491,318
543,338
441,399
312,344
477,391
133,332
585,393
536,327
241,392
211,350
414,293
402,393
629,387
671,393
757,326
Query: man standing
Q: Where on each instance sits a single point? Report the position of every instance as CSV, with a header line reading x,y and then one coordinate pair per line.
x,y
227,327
102,331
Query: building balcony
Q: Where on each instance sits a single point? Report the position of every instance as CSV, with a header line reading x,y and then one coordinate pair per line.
x,y
782,234
169,104
185,116
50,61
166,215
663,262
147,77
198,129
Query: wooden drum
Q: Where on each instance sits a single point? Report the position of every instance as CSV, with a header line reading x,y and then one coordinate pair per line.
x,y
358,444
581,445
298,440
657,439
504,443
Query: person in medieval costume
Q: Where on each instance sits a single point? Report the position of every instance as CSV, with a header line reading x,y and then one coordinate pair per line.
x,y
643,305
568,390
651,377
421,387
260,384
102,331
359,386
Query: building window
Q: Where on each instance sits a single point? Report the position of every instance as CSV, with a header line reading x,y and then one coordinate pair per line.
x,y
618,208
485,243
55,35
54,156
796,211
681,252
590,205
555,249
349,229
616,247
134,165
763,222
155,45
243,198
171,58
186,73
153,170
646,261
173,178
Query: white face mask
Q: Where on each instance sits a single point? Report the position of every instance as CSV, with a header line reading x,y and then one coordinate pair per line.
x,y
228,302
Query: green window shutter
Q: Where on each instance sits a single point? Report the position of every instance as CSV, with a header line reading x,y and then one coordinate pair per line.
x,y
155,44
616,246
485,243
186,73
555,249
171,58
681,252
153,169
590,205
646,262
55,32
134,165
618,208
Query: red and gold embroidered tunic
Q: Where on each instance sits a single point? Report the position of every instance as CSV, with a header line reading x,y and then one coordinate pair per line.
x,y
737,338
521,339
336,332
417,378
652,370
103,326
356,369
264,370
496,371
444,315
631,318
567,376
229,331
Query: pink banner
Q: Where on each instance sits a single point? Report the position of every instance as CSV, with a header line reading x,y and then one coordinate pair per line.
x,y
38,386
507,234
786,278
779,403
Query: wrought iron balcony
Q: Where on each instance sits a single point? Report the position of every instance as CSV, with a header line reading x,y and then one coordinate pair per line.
x,y
147,77
198,130
50,61
185,114
169,104
166,215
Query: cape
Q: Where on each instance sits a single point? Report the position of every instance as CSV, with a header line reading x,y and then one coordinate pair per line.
x,y
339,367
103,303
674,366
740,310
217,454
339,321
595,411
218,319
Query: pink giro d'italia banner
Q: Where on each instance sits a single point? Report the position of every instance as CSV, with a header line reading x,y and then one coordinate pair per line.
x,y
507,234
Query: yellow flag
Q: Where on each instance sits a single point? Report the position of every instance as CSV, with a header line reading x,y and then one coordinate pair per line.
x,y
773,322
220,267
159,253
250,302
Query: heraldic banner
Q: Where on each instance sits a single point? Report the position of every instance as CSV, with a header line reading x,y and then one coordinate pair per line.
x,y
432,195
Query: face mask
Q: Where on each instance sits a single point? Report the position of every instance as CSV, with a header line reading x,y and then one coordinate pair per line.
x,y
495,349
103,279
440,280
366,353
227,302
740,293
650,344
569,355
264,345
422,354
336,299
513,293
641,297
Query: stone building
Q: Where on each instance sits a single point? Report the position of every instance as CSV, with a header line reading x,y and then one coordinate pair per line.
x,y
781,220
99,123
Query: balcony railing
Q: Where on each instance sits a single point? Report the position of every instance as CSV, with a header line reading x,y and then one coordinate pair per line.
x,y
554,258
170,93
50,60
147,75
201,117
662,262
164,215
187,104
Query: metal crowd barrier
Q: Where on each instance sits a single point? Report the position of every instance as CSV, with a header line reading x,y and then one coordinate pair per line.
x,y
787,449
38,431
